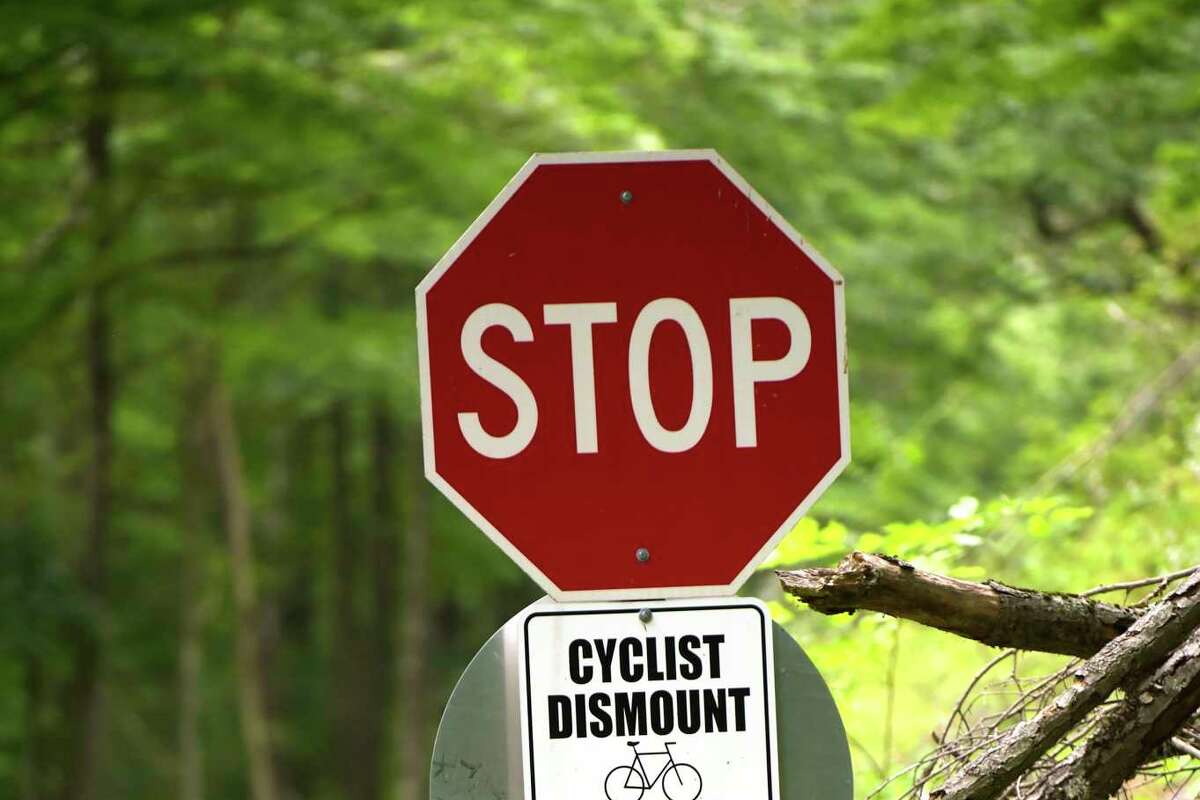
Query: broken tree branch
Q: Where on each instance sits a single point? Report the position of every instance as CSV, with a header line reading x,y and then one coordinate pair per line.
x,y
1149,641
1139,724
992,613
1043,754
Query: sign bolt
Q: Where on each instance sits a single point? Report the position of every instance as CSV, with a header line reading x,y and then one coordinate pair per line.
x,y
642,555
626,197
645,615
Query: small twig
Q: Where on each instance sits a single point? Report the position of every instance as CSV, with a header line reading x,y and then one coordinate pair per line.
x,y
1183,747
958,707
1138,584
890,712
875,766
1183,785
44,244
893,779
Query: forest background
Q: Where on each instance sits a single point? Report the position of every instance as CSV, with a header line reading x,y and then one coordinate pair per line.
x,y
221,573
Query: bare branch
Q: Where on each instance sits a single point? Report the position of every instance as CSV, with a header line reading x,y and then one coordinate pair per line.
x,y
992,613
1157,633
1127,732
46,242
1127,586
1183,747
958,707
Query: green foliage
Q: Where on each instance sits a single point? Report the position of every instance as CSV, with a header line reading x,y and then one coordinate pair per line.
x,y
1009,189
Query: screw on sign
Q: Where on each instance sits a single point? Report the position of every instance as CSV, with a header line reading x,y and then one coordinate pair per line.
x,y
632,374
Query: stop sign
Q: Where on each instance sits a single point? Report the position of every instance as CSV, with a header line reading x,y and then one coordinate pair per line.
x,y
633,374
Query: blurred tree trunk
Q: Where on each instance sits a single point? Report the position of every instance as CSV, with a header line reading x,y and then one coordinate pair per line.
x,y
350,690
84,704
414,629
191,660
384,558
83,701
192,601
357,697
296,601
31,756
232,480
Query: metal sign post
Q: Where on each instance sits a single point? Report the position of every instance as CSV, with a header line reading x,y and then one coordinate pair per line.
x,y
478,751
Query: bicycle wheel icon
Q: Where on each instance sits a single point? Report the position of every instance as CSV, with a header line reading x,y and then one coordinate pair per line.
x,y
624,783
681,782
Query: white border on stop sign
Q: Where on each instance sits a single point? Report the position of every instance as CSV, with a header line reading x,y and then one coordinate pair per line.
x,y
447,260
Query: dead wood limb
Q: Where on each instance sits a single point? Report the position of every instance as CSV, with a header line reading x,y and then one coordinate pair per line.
x,y
1145,645
1182,746
992,613
1144,401
1143,721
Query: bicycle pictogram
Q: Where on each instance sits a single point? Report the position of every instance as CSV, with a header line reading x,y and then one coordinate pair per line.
x,y
680,781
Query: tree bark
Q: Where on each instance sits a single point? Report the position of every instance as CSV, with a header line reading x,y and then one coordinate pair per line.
x,y
191,661
31,755
384,563
992,613
1144,720
1150,640
83,699
255,728
356,707
413,762
299,517
351,667
191,440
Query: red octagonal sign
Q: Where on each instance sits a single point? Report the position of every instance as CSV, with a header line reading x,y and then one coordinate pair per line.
x,y
633,374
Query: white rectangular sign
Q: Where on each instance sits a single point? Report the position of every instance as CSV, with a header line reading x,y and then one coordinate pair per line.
x,y
618,706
